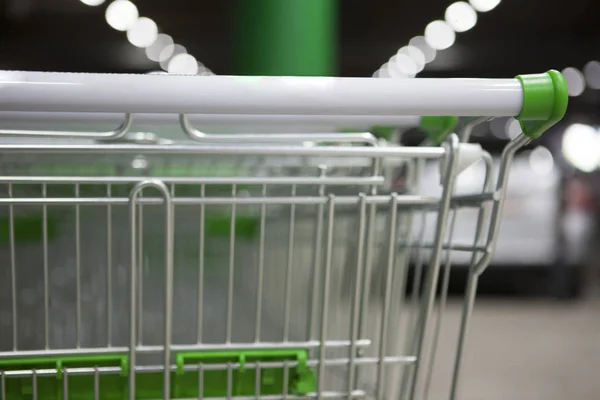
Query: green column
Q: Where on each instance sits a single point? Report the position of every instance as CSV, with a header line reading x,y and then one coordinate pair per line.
x,y
285,37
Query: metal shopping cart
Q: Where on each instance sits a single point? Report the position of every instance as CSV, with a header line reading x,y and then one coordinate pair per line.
x,y
222,266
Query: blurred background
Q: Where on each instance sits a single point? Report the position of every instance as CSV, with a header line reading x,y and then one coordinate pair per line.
x,y
539,339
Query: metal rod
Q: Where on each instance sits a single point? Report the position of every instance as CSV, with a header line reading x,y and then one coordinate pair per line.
x,y
109,180
201,255
225,150
260,269
387,294
404,200
312,344
289,270
434,263
110,135
142,93
333,362
45,267
231,270
162,188
317,257
41,120
78,326
109,268
202,137
326,292
13,269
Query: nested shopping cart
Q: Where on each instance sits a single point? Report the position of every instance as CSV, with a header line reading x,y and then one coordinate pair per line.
x,y
238,266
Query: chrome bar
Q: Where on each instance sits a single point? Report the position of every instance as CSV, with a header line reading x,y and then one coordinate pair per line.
x,y
108,180
226,150
116,134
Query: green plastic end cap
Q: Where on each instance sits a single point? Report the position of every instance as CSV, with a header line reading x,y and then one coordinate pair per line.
x,y
437,128
545,100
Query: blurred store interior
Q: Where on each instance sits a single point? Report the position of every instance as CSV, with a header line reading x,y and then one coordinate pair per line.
x,y
537,320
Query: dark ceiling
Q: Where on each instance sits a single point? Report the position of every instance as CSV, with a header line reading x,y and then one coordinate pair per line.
x,y
519,36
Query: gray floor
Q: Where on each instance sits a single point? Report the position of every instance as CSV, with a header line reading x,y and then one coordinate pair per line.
x,y
526,349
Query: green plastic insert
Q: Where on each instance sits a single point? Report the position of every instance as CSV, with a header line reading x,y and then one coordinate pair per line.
x,y
545,100
437,128
301,379
184,384
80,387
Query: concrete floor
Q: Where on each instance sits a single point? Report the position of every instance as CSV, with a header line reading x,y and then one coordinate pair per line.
x,y
525,349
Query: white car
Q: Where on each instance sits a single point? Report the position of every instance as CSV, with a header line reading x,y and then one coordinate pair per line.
x,y
538,231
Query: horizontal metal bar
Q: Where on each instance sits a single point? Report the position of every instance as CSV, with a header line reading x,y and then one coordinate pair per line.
x,y
145,369
113,93
329,181
227,150
330,344
447,246
74,120
194,347
403,200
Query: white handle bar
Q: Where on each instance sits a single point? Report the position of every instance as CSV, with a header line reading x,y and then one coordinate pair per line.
x,y
122,93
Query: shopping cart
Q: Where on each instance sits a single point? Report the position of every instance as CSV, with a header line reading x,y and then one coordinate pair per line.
x,y
247,266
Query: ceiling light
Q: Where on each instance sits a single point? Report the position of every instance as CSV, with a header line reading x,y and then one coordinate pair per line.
x,y
121,14
461,16
439,35
169,52
92,3
484,5
183,64
591,71
143,32
405,64
420,43
153,52
541,160
575,81
580,146
416,55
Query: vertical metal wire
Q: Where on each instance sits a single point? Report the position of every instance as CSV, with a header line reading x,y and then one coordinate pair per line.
x,y
316,262
77,270
354,313
286,379
13,268
140,267
473,277
65,384
169,241
34,382
96,384
229,381
261,268
257,380
109,268
288,270
370,240
325,299
45,267
441,307
411,340
433,270
200,382
2,385
230,283
201,250
387,294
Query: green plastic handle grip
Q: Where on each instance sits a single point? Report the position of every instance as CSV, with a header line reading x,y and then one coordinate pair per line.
x,y
545,100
